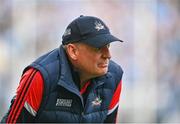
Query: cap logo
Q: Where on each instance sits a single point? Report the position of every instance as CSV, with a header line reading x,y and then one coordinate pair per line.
x,y
67,32
98,26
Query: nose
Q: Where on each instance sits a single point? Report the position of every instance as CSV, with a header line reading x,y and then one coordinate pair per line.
x,y
106,52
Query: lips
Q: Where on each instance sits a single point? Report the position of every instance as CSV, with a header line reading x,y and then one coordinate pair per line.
x,y
103,65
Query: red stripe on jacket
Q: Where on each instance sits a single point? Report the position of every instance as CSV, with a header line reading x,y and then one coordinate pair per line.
x,y
116,96
83,90
29,90
18,97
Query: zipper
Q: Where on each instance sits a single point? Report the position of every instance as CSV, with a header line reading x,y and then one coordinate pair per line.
x,y
92,91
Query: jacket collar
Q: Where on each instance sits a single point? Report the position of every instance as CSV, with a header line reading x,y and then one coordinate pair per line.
x,y
66,79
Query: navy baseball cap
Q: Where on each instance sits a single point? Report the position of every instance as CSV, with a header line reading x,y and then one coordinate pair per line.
x,y
90,30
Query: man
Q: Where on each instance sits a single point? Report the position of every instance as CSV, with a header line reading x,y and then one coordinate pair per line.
x,y
74,83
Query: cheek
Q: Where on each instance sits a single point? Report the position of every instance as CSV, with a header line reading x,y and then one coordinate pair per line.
x,y
90,62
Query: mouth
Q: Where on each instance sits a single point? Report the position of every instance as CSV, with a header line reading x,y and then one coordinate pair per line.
x,y
103,65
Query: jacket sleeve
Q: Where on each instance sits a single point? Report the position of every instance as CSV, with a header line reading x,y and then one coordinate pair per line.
x,y
113,107
25,104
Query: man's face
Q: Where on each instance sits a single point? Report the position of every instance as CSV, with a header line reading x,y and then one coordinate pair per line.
x,y
93,61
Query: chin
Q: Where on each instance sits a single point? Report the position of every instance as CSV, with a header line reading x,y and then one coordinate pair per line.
x,y
103,72
100,71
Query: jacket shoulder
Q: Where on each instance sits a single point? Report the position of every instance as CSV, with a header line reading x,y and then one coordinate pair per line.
x,y
48,65
48,57
115,69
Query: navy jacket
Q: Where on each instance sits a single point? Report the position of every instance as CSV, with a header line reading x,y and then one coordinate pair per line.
x,y
62,101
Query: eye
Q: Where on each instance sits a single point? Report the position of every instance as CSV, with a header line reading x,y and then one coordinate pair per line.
x,y
100,48
108,45
97,49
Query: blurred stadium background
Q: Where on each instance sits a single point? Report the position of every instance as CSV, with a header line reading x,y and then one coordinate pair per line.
x,y
150,55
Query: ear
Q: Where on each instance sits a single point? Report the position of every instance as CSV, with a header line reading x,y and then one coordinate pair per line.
x,y
72,51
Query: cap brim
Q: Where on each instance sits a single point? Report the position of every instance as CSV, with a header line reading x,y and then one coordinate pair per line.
x,y
101,40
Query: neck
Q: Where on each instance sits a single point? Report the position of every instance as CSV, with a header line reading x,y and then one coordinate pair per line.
x,y
83,79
